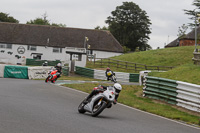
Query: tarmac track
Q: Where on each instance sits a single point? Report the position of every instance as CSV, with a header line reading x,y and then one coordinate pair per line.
x,y
32,106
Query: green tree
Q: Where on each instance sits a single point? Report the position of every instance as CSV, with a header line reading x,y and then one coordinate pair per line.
x,y
103,28
182,31
130,25
4,17
44,21
193,13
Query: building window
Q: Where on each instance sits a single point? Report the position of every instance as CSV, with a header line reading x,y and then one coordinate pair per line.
x,y
7,46
2,46
31,48
37,57
89,52
77,57
57,50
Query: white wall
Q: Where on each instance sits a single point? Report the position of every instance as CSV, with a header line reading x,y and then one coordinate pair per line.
x,y
105,54
47,52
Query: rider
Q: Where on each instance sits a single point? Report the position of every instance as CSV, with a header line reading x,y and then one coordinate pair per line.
x,y
102,88
109,73
59,70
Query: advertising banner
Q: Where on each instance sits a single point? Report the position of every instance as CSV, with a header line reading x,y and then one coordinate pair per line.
x,y
40,72
16,72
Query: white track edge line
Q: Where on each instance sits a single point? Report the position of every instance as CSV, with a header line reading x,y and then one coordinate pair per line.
x,y
137,109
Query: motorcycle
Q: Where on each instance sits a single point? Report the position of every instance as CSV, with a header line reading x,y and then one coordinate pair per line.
x,y
98,102
114,79
51,75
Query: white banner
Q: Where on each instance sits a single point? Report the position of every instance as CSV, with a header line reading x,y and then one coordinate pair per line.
x,y
40,72
2,66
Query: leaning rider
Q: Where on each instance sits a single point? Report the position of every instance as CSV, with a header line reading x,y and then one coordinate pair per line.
x,y
102,88
109,73
59,70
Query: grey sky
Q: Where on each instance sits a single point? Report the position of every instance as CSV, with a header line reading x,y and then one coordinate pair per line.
x,y
165,15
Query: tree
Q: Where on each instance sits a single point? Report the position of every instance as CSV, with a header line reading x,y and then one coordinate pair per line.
x,y
193,13
130,25
182,30
44,21
103,28
4,17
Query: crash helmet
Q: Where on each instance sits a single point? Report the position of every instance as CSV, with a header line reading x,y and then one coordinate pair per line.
x,y
58,65
107,69
117,86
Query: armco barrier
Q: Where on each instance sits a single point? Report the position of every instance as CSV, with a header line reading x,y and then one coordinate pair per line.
x,y
160,89
65,71
174,92
188,95
100,74
85,72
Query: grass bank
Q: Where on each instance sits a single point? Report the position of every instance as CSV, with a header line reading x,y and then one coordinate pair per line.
x,y
132,96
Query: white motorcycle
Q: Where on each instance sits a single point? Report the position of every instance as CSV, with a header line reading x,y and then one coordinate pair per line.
x,y
98,102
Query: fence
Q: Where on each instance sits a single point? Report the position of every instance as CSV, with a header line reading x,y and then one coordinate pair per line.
x,y
100,74
37,62
174,92
129,66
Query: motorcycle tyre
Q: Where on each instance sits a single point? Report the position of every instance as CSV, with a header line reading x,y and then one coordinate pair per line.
x,y
81,108
100,109
47,79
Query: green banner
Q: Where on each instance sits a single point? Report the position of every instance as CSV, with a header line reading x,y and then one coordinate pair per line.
x,y
134,77
16,72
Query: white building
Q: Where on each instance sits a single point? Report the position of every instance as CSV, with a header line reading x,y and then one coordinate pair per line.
x,y
21,41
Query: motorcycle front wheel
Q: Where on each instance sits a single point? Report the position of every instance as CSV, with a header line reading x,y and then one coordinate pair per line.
x,y
97,109
47,79
81,107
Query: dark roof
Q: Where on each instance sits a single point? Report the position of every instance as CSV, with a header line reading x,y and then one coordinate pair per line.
x,y
191,35
41,35
172,44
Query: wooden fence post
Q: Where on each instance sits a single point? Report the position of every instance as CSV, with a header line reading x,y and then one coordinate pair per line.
x,y
135,67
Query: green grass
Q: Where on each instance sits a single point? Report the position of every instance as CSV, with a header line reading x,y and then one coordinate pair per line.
x,y
132,96
161,57
188,73
180,57
76,77
185,70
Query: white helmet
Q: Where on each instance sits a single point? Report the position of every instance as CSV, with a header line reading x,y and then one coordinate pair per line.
x,y
117,86
59,64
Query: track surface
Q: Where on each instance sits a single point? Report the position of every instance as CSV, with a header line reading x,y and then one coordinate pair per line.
x,y
31,106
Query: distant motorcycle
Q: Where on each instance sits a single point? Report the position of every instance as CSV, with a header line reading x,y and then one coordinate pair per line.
x,y
113,79
51,75
98,102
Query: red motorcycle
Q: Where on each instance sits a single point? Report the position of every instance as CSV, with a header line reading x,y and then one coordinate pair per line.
x,y
51,76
